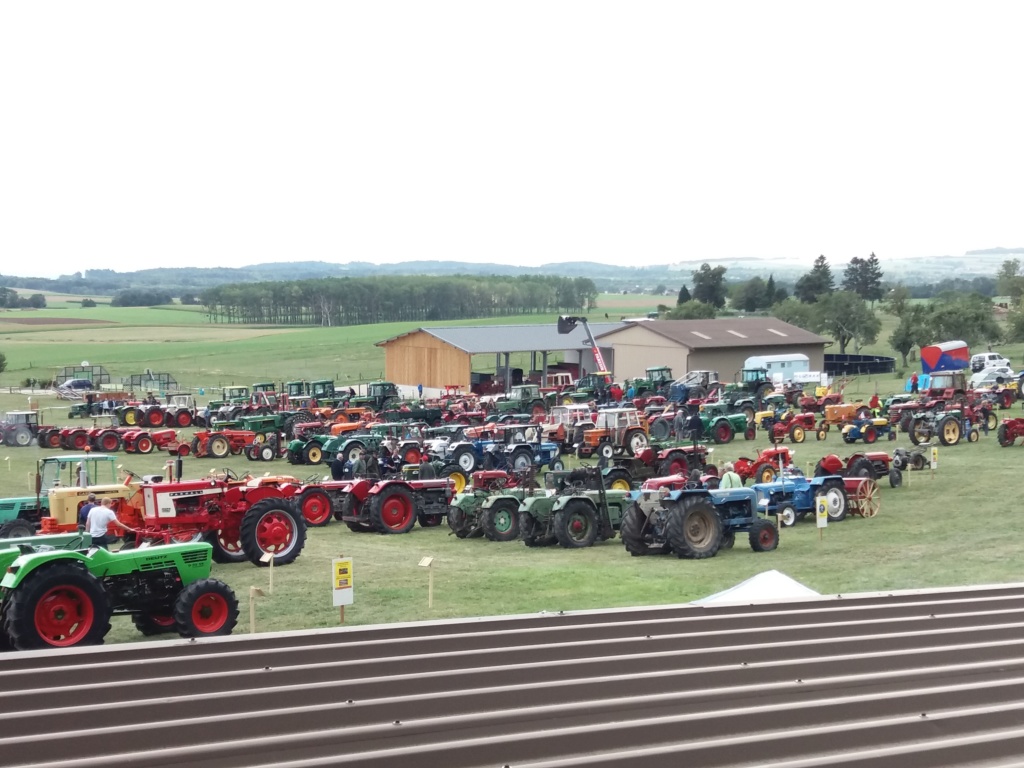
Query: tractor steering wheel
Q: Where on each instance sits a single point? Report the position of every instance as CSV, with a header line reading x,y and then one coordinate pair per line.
x,y
311,480
229,474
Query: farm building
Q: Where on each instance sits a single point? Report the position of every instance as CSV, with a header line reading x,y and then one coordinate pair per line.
x,y
708,345
437,357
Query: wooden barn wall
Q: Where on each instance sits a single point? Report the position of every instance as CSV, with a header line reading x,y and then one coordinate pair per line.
x,y
420,358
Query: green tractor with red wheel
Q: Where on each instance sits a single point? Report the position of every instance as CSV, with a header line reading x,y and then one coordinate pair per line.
x,y
575,515
60,592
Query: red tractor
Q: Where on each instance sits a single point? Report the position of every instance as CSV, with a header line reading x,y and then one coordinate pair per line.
x,y
650,463
1009,431
384,506
827,397
222,443
765,468
795,425
870,464
244,520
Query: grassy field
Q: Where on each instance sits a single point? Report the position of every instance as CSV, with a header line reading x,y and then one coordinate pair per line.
x,y
953,528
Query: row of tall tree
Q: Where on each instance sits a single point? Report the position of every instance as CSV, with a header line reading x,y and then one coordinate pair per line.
x,y
359,301
10,299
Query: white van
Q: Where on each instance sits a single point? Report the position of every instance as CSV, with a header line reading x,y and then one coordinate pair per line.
x,y
988,360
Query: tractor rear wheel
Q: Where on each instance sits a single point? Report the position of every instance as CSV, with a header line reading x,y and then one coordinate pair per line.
x,y
143,444
17,529
78,440
458,478
108,441
206,608
861,467
218,447
636,441
22,437
316,507
919,431
227,548
919,462
675,463
151,624
52,438
1004,437
501,521
618,479
949,430
695,530
313,453
155,417
393,511
575,525
58,606
638,534
522,459
836,501
661,429
722,432
457,521
764,536
533,534
183,419
272,526
870,435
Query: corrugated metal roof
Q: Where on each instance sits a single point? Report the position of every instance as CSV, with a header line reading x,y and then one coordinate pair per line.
x,y
929,679
725,332
483,339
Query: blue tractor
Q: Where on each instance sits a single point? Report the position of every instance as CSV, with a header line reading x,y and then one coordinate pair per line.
x,y
793,495
669,515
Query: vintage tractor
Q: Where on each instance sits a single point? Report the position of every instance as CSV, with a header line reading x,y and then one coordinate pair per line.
x,y
616,431
77,474
573,516
220,444
791,496
1009,431
794,425
822,397
490,507
868,430
870,464
766,467
181,411
656,381
948,426
591,387
752,385
384,506
243,519
522,398
655,461
59,598
20,428
914,458
669,514
721,424
694,385
562,423
843,413
380,395
532,453
948,386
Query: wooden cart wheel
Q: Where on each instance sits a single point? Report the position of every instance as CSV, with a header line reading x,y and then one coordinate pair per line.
x,y
870,498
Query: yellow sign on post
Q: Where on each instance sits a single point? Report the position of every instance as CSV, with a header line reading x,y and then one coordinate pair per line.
x,y
821,513
341,571
935,457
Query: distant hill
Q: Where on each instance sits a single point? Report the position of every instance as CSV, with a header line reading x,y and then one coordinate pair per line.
x,y
607,277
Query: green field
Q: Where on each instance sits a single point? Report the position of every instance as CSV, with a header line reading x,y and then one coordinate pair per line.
x,y
953,528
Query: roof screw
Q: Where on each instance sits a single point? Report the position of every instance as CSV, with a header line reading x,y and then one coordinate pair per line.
x,y
799,680
647,636
398,722
266,669
743,664
924,714
348,701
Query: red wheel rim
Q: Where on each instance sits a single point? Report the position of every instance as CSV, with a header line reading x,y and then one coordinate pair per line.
x,y
677,466
109,443
209,612
275,532
144,445
64,615
723,432
396,513
766,536
155,418
229,541
184,419
53,439
162,621
79,441
316,508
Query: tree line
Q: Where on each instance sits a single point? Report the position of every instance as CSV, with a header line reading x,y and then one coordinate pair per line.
x,y
361,301
9,299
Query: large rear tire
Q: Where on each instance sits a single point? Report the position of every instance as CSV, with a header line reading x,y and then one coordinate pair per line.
x,y
837,503
393,510
695,530
575,525
501,521
57,606
638,534
272,526
861,467
315,505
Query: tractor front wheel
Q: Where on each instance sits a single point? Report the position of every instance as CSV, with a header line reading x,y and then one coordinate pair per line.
x,y
639,536
151,624
316,507
218,447
636,442
1004,437
764,536
57,606
950,431
796,433
206,608
723,432
272,526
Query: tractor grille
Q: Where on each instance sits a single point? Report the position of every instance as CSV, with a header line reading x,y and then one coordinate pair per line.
x,y
194,558
156,565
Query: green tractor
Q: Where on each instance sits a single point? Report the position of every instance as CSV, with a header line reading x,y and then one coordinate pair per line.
x,y
574,517
722,423
58,598
324,393
593,386
380,395
523,398
490,505
656,382
753,386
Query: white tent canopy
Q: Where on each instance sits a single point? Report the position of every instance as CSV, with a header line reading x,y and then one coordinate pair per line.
x,y
766,587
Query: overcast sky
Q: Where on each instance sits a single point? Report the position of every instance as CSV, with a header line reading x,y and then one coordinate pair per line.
x,y
139,134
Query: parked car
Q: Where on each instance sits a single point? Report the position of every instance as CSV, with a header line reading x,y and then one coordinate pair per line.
x,y
985,360
996,374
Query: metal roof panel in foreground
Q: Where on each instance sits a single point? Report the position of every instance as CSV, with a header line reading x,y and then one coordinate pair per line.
x,y
921,679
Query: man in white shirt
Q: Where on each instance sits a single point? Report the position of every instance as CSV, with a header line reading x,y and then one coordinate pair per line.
x,y
100,518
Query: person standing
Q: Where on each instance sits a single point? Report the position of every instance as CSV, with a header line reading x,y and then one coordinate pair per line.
x,y
419,390
729,477
100,518
679,423
913,383
83,513
696,427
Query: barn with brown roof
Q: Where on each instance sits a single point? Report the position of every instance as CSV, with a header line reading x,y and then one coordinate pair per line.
x,y
707,345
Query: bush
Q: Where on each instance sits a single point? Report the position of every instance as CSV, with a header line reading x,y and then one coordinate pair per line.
x,y
88,303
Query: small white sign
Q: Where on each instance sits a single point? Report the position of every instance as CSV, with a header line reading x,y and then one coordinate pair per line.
x,y
935,457
341,576
821,513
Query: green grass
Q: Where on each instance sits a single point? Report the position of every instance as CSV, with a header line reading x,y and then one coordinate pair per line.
x,y
948,530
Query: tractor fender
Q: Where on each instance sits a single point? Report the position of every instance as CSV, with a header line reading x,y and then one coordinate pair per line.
x,y
33,561
254,495
817,482
561,501
832,464
382,485
490,499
